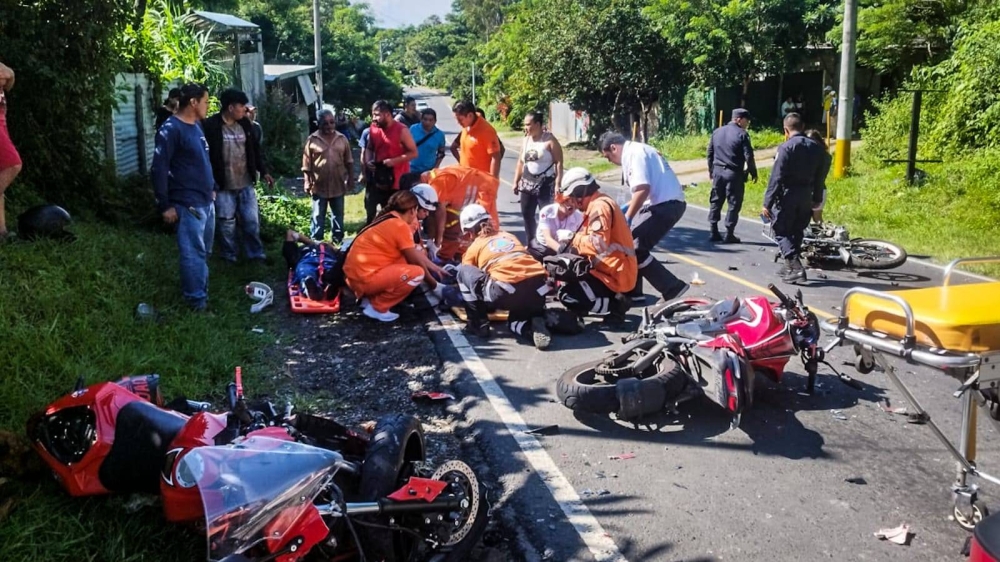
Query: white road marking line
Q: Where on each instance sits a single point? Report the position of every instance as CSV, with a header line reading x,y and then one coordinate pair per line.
x,y
593,535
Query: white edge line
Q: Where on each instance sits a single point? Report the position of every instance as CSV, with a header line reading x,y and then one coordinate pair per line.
x,y
914,260
593,535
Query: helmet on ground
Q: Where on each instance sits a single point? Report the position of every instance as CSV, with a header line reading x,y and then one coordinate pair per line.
x,y
575,181
427,198
472,215
44,221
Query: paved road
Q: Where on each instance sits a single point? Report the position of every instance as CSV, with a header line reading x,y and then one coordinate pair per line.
x,y
775,488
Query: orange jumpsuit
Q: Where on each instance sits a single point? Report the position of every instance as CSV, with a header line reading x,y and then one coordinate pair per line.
x,y
605,235
376,268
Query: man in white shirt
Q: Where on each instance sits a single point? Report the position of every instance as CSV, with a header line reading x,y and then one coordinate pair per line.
x,y
557,223
657,204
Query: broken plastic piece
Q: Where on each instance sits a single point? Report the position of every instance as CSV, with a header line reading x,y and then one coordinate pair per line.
x,y
898,535
621,457
544,430
696,280
431,396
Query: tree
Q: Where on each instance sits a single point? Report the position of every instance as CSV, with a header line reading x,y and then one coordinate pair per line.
x,y
732,42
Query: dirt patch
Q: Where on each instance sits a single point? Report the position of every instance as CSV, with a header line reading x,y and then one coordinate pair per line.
x,y
355,370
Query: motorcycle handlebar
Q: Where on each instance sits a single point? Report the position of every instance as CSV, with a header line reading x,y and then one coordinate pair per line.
x,y
786,302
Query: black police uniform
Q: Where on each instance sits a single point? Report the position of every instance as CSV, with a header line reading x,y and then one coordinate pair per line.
x,y
729,153
796,184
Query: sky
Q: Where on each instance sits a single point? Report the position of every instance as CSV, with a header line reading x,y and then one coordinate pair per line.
x,y
400,13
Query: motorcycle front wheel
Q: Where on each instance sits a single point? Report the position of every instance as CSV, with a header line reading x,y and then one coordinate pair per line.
x,y
876,254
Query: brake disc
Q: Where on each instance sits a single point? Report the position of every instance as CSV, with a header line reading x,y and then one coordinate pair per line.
x,y
463,483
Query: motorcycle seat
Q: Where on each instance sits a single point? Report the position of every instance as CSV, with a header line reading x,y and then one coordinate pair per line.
x,y
143,433
962,318
987,536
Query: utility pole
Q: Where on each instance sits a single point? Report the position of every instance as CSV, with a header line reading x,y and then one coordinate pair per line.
x,y
473,83
845,106
317,56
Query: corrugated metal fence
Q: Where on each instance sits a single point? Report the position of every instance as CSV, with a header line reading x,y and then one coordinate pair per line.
x,y
130,131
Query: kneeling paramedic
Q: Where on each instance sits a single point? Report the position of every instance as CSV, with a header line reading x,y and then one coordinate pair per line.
x,y
605,241
497,272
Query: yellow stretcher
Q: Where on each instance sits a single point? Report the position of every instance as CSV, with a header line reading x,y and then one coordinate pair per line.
x,y
953,328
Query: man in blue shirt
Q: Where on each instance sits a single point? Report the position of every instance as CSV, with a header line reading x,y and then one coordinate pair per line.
x,y
430,143
185,189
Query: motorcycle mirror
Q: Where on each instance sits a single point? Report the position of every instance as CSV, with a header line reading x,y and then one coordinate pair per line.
x,y
798,297
80,384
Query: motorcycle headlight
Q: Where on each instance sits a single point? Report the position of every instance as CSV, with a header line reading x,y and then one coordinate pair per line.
x,y
190,470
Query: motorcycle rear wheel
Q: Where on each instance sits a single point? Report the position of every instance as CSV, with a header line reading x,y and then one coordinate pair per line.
x,y
876,254
582,388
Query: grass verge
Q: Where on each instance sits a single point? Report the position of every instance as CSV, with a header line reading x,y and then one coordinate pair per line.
x,y
693,147
954,213
68,310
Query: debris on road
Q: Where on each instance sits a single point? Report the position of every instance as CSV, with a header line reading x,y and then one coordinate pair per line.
x,y
621,457
856,480
696,280
898,535
544,430
837,415
885,407
426,396
733,268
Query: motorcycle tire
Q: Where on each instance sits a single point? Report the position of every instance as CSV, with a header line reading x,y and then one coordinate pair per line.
x,y
581,389
398,441
666,310
886,254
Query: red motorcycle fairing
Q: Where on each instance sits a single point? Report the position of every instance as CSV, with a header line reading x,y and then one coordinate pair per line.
x,y
76,433
181,501
771,346
301,528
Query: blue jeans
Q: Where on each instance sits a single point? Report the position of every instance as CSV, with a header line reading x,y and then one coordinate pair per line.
x,y
195,234
238,206
319,205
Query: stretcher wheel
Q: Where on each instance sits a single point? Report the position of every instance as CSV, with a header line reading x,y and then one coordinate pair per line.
x,y
970,516
862,365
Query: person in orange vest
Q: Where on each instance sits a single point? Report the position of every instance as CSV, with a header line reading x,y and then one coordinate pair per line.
x,y
605,240
497,272
457,187
383,264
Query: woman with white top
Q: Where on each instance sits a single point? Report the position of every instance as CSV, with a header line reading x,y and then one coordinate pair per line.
x,y
539,170
557,223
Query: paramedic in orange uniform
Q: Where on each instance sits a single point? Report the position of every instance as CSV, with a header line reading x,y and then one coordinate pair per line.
x,y
383,264
498,272
605,238
479,145
458,186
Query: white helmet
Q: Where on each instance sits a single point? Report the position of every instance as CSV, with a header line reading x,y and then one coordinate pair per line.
x,y
472,215
427,198
573,180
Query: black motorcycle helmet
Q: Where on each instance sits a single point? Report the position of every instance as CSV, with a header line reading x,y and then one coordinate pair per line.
x,y
44,221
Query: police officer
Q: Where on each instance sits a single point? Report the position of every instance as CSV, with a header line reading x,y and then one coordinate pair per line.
x,y
796,185
730,163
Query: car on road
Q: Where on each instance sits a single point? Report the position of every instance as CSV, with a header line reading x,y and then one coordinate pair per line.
x,y
421,105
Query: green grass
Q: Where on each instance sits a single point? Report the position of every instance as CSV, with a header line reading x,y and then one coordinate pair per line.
x,y
68,310
954,213
693,147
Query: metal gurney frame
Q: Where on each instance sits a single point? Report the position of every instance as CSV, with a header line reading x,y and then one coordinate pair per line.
x,y
975,370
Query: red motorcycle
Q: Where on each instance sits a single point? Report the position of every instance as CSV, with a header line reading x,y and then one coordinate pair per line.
x,y
266,485
693,346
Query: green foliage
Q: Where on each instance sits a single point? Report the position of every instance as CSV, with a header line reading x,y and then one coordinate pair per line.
x,y
965,114
65,57
168,48
731,42
284,134
693,147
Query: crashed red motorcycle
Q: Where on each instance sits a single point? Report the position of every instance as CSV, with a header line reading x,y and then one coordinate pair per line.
x,y
693,346
266,485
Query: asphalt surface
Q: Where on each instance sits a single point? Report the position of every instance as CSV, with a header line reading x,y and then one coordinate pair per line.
x,y
776,488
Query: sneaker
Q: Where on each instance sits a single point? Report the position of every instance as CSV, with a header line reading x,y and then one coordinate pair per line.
x,y
676,292
540,333
387,316
365,303
715,237
731,239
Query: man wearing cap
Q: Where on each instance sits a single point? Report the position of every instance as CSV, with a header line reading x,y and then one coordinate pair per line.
x,y
730,163
605,240
657,204
796,185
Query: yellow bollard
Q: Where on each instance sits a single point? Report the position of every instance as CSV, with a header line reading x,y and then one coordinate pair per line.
x,y
841,158
720,117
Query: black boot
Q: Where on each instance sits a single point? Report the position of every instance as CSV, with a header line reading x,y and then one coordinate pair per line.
x,y
716,235
785,269
796,273
477,323
731,238
638,294
617,309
